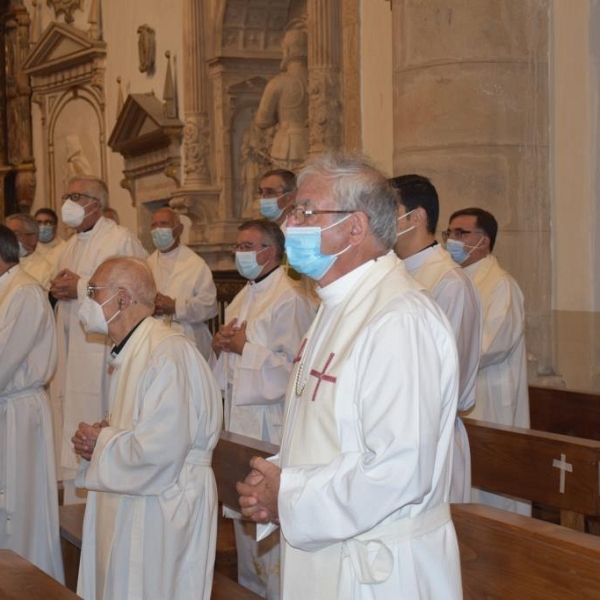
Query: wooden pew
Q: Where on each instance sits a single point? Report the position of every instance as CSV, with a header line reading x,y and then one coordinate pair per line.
x,y
504,555
20,580
568,412
550,469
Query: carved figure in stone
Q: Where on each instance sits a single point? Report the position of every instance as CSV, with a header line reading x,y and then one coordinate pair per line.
x,y
76,163
65,7
146,48
285,103
254,160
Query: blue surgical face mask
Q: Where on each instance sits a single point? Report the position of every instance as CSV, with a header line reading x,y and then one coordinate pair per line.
x,y
163,238
269,208
458,250
23,251
45,233
247,264
303,249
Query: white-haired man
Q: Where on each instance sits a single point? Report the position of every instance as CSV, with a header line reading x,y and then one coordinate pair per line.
x,y
362,487
79,389
150,520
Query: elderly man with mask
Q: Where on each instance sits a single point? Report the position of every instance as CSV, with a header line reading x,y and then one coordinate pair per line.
x,y
28,495
32,261
456,295
501,389
361,489
150,521
79,389
50,244
187,296
265,324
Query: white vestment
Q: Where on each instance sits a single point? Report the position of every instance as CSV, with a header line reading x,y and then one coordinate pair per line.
x,y
456,295
502,392
367,445
28,494
36,265
254,384
79,389
150,522
51,250
183,275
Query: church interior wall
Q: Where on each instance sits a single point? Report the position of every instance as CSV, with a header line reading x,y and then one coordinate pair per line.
x,y
120,22
548,213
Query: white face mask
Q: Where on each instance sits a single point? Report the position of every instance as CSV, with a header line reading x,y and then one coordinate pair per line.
x,y
91,315
72,213
400,233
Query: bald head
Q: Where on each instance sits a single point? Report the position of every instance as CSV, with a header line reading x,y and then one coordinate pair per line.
x,y
129,274
166,229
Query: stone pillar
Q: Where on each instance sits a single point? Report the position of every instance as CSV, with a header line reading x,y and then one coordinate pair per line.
x,y
471,112
325,110
196,133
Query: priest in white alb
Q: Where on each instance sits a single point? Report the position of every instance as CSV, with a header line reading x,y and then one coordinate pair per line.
x,y
187,296
28,494
451,288
264,325
361,489
79,389
150,521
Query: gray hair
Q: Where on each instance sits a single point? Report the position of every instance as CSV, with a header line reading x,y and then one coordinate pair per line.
x,y
95,186
31,225
358,186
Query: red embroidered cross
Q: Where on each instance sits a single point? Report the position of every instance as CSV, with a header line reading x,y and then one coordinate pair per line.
x,y
299,355
322,377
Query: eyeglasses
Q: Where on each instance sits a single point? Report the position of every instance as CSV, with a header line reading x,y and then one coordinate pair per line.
x,y
92,289
458,234
300,213
247,246
76,196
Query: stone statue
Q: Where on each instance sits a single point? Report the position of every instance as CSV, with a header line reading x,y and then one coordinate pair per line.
x,y
146,48
254,160
285,103
76,161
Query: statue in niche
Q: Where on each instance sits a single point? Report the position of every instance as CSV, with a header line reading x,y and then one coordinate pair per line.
x,y
76,163
285,102
146,48
254,160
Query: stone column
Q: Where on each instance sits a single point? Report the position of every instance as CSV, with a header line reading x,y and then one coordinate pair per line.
x,y
325,110
471,112
196,133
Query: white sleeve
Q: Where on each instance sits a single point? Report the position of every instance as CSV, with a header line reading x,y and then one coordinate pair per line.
x,y
202,304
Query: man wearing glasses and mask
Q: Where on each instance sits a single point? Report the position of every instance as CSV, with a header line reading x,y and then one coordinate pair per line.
x,y
361,488
501,389
79,389
265,323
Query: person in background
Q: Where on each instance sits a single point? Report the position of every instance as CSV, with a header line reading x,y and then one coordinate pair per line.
x,y
264,326
276,189
50,244
28,494
187,296
502,395
79,390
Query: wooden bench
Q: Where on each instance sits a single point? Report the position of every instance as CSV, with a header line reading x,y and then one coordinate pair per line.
x,y
20,580
568,412
551,469
504,555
